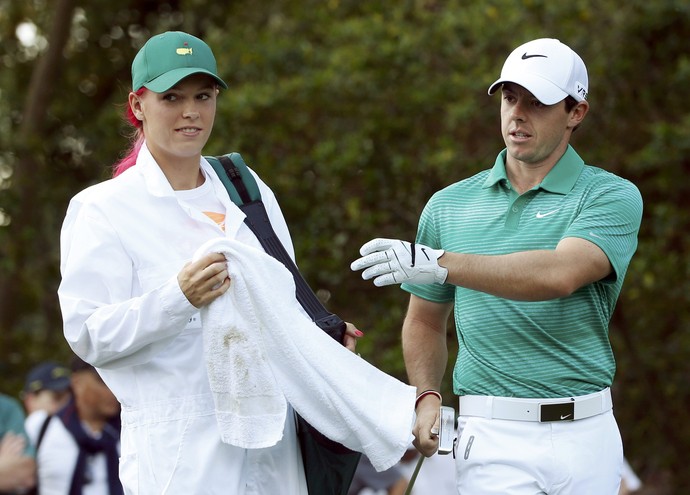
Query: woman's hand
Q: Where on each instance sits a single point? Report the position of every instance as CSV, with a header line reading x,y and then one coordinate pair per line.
x,y
205,279
351,336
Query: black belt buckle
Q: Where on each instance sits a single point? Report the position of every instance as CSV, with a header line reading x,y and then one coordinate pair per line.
x,y
557,411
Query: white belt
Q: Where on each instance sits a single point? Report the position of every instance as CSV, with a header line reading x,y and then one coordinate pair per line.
x,y
543,410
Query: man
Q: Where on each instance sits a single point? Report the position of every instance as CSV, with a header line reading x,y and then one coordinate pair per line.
x,y
532,254
77,448
17,466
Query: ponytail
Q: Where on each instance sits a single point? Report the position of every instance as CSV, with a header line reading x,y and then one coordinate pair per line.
x,y
136,142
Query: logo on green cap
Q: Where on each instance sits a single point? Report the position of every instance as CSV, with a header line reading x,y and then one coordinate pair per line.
x,y
184,51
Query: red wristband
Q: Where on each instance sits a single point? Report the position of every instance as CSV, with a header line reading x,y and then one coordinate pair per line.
x,y
424,394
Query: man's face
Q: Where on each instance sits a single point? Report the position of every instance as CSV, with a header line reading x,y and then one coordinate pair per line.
x,y
93,394
535,134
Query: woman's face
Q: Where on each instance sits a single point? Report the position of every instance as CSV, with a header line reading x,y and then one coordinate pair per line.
x,y
178,122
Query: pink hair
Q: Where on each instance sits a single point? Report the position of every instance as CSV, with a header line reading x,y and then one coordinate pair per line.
x,y
137,140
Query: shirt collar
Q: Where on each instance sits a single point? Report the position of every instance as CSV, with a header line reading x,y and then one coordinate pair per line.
x,y
560,179
156,181
158,185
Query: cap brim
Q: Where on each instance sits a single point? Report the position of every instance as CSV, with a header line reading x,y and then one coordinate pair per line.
x,y
59,384
166,81
544,90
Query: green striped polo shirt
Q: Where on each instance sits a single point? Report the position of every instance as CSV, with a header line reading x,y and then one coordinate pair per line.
x,y
554,348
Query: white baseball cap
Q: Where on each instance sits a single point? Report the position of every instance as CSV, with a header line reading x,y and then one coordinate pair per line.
x,y
548,69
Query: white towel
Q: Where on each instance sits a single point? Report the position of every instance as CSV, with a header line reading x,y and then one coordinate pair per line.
x,y
289,357
250,409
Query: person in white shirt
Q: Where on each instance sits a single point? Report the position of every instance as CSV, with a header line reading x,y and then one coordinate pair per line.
x,y
130,296
77,447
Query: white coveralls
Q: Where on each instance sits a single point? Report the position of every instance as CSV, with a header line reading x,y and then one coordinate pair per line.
x,y
123,243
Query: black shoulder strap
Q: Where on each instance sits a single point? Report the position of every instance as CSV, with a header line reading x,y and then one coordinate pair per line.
x,y
257,220
42,432
39,439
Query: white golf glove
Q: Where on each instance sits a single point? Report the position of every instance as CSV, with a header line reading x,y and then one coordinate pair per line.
x,y
390,261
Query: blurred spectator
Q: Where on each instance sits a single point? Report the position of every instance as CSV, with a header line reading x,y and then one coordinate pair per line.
x,y
367,481
77,448
17,466
46,389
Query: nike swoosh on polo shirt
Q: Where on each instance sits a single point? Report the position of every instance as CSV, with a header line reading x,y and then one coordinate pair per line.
x,y
548,213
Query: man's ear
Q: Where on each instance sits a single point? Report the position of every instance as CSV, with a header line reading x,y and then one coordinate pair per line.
x,y
578,113
76,380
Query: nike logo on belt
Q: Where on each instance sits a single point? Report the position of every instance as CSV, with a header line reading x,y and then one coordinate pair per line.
x,y
565,416
542,215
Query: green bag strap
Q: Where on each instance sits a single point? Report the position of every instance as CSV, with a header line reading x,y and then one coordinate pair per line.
x,y
328,466
242,188
244,192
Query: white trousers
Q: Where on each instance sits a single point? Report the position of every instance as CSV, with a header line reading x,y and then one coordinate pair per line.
x,y
503,457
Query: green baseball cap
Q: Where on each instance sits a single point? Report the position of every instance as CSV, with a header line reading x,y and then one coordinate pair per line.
x,y
168,58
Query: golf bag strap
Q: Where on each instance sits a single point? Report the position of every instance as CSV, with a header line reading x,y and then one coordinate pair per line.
x,y
257,220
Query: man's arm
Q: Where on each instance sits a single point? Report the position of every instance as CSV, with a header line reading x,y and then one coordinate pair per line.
x,y
530,275
426,355
525,275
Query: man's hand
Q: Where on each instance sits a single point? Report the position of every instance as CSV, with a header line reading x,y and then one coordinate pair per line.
x,y
426,426
390,261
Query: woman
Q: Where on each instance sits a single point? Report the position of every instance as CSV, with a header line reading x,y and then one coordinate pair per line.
x,y
130,297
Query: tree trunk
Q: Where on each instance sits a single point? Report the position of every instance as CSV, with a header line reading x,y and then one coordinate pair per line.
x,y
27,238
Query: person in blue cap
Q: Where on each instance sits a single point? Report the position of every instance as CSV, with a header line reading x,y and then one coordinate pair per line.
x,y
47,388
77,446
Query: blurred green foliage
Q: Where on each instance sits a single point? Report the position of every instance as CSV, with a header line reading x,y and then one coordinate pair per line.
x,y
355,113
